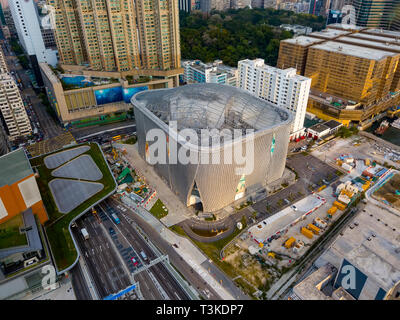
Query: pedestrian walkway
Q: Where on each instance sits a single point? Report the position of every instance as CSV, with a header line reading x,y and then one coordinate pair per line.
x,y
177,211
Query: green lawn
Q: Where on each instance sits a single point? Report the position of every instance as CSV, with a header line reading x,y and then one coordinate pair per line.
x,y
157,210
61,243
213,249
178,230
131,140
10,235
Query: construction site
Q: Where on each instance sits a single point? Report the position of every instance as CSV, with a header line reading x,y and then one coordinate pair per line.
x,y
389,192
132,188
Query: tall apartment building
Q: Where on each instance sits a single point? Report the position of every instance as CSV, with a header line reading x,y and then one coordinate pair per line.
x,y
377,13
26,20
283,88
9,22
13,114
3,64
114,35
355,71
196,71
188,5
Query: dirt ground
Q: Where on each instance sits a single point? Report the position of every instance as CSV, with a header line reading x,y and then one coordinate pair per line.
x,y
388,192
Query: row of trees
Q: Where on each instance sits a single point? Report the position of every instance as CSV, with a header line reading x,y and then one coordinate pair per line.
x,y
239,34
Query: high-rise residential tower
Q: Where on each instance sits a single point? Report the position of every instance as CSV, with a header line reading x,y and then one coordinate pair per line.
x,y
281,87
118,35
13,116
12,108
377,13
26,20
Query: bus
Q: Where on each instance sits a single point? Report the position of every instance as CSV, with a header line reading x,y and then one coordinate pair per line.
x,y
115,218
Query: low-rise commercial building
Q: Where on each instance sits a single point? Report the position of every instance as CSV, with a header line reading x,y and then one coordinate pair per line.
x,y
196,71
78,95
23,250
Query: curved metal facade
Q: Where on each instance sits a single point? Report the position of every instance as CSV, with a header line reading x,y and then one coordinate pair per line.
x,y
217,184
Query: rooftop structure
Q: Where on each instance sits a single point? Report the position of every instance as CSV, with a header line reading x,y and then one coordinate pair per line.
x,y
94,95
74,180
209,106
328,34
393,46
374,37
303,40
371,245
215,72
213,106
311,287
14,166
353,50
18,187
345,27
384,33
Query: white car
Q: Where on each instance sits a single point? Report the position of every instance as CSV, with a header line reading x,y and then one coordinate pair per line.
x,y
294,208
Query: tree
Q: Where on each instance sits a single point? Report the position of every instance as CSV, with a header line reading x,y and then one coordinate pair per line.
x,y
233,35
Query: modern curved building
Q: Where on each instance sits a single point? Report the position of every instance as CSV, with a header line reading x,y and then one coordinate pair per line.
x,y
204,179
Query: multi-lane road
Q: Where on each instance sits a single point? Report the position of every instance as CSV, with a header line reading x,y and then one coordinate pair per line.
x,y
105,268
108,254
167,286
176,260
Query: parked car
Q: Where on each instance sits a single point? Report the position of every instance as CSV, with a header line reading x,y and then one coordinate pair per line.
x,y
135,263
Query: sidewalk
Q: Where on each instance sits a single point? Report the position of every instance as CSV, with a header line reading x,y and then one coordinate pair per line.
x,y
88,280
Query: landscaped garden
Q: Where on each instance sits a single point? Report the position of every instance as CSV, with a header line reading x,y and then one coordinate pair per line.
x,y
62,246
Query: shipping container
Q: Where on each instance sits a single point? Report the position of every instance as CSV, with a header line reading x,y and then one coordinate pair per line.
x,y
339,205
307,233
332,210
289,243
313,228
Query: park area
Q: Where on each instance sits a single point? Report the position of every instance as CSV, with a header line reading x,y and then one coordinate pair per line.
x,y
389,192
159,210
61,213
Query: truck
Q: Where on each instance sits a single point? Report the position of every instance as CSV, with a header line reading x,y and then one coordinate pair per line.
x,y
85,233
